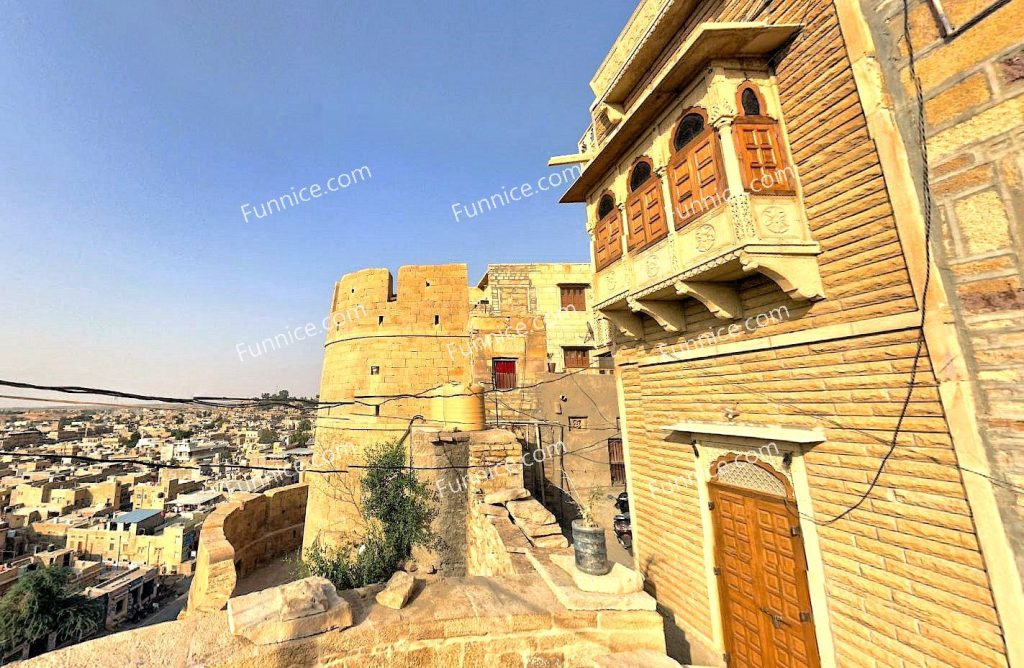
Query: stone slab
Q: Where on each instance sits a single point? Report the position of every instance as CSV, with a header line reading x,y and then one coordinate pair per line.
x,y
295,610
397,591
505,495
619,580
574,598
558,542
530,510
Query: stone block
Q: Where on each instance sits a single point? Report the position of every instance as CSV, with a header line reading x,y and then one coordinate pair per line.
x,y
397,591
295,610
551,542
494,511
506,495
539,530
619,580
530,510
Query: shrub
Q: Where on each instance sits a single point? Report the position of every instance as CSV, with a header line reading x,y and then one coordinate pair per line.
x,y
397,510
42,602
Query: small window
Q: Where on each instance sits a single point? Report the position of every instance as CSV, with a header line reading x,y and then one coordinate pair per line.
x,y
689,128
374,370
641,173
376,411
574,297
504,371
605,206
380,320
577,358
577,422
616,462
437,319
751,105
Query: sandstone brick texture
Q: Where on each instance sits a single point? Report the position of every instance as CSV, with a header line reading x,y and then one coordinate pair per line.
x,y
975,136
903,577
240,536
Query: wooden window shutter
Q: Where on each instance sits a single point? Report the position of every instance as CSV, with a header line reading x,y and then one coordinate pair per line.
x,y
696,178
635,217
607,244
761,156
613,236
654,211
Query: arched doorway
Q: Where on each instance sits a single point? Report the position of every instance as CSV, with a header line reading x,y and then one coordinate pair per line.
x,y
761,567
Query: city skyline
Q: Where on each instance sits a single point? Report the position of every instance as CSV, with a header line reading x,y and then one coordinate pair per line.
x,y
134,138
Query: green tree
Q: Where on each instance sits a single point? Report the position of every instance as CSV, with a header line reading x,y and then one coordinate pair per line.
x,y
397,508
181,434
42,602
304,425
267,435
299,439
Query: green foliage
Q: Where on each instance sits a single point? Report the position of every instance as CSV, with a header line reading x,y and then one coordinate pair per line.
x,y
132,440
181,434
42,602
304,425
397,508
267,435
299,439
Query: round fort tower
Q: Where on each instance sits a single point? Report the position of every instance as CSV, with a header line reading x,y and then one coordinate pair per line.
x,y
390,351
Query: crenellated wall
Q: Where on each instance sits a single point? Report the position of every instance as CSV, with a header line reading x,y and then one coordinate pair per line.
x,y
384,340
239,537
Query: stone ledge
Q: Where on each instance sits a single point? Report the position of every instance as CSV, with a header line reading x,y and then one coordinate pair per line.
x,y
574,598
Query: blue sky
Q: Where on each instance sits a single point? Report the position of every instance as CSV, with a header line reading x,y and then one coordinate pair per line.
x,y
132,132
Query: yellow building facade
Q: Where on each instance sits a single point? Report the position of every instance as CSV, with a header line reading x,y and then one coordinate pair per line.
x,y
806,485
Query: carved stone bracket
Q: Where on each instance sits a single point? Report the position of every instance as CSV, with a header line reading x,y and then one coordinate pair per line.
x,y
797,275
668,315
625,322
721,298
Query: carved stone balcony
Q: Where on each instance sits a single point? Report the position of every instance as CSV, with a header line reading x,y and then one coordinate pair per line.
x,y
705,259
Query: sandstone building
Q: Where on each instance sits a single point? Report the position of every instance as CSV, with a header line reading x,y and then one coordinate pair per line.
x,y
753,190
425,350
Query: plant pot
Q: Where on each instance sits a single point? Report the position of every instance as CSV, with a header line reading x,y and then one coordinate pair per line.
x,y
591,550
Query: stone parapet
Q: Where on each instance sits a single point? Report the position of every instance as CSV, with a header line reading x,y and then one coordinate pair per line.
x,y
451,622
239,537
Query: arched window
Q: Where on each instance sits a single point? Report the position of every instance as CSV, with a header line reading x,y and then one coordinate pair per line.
x,y
641,172
689,128
759,145
696,178
645,211
749,103
607,233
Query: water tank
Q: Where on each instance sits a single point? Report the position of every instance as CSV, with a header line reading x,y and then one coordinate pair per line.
x,y
458,406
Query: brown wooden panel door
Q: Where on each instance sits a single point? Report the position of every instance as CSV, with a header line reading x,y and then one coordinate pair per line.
x,y
766,609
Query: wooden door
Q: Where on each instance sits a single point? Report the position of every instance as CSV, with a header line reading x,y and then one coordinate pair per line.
x,y
766,606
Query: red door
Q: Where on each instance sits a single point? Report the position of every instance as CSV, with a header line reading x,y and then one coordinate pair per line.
x,y
504,374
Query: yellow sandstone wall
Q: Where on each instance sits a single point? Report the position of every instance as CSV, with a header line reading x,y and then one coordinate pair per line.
x,y
407,331
239,537
905,582
973,85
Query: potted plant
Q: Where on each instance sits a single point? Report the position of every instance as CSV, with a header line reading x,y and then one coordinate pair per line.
x,y
588,538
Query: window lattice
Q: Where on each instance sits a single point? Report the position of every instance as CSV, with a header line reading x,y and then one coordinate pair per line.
x,y
749,476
